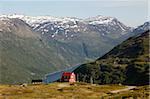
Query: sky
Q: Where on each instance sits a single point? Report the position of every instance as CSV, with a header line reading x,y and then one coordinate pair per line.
x,y
130,12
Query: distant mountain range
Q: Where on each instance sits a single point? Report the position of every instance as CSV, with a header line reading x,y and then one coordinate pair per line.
x,y
43,44
64,28
127,63
137,31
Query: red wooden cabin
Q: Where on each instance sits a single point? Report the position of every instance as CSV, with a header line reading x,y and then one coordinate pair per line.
x,y
66,76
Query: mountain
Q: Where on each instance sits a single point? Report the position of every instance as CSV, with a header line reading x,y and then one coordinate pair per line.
x,y
87,36
70,27
127,63
44,44
25,55
137,31
142,28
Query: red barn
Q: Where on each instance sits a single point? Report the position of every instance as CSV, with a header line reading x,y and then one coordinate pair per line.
x,y
66,76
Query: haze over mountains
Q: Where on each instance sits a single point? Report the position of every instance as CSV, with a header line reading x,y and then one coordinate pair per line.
x,y
33,46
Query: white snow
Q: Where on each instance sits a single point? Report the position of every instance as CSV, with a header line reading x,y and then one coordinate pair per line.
x,y
60,21
53,36
74,26
52,28
44,23
72,35
36,21
56,32
45,30
99,20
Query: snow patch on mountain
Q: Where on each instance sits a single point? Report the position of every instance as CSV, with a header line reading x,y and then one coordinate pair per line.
x,y
69,26
62,21
99,20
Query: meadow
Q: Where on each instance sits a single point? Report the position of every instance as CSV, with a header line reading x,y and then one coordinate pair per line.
x,y
67,91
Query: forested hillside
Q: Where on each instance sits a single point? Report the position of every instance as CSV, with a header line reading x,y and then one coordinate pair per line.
x,y
127,63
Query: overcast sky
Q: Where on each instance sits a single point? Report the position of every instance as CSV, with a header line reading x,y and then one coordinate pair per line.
x,y
130,12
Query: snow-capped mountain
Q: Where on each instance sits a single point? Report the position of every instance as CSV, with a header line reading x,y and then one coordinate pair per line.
x,y
143,28
36,21
99,20
137,31
70,27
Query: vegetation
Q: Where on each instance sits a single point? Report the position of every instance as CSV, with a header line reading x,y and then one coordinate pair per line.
x,y
127,63
66,91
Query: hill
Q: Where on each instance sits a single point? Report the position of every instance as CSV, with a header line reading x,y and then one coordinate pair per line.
x,y
127,63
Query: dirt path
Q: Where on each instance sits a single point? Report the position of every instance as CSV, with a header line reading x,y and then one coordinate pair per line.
x,y
125,89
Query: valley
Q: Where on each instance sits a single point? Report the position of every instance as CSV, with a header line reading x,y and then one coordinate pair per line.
x,y
28,47
27,53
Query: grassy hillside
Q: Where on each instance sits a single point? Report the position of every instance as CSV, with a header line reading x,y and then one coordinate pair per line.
x,y
127,63
66,91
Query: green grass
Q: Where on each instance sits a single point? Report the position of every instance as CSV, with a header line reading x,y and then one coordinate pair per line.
x,y
57,91
66,91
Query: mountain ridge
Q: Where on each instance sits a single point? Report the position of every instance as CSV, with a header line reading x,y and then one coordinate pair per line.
x,y
72,26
